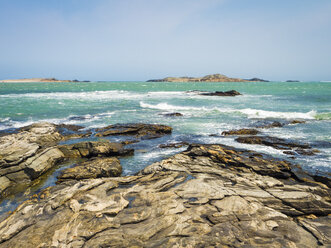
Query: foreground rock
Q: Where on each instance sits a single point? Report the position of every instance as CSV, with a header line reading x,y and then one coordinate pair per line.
x,y
94,168
207,196
33,151
138,130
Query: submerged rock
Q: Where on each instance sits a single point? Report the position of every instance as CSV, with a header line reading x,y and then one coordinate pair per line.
x,y
93,168
244,131
207,196
144,131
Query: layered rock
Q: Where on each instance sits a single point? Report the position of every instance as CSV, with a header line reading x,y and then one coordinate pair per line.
x,y
278,143
207,196
243,131
138,130
30,153
93,168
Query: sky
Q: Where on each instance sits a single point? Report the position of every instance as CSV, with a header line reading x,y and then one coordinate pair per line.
x,y
131,40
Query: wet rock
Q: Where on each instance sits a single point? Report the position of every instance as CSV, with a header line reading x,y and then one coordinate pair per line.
x,y
138,130
93,168
90,149
176,114
33,150
207,196
74,128
220,93
274,142
174,145
244,131
297,122
272,125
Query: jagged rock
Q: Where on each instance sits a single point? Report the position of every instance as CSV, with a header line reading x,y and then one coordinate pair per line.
x,y
277,143
244,131
90,149
175,114
33,150
144,131
93,168
207,196
272,125
220,93
174,145
297,122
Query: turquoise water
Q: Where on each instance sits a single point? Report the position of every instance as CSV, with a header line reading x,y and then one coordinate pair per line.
x,y
97,104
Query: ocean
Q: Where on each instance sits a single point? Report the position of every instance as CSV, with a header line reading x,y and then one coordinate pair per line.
x,y
98,104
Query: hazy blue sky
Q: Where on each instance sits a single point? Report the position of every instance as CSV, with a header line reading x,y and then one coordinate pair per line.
x,y
143,39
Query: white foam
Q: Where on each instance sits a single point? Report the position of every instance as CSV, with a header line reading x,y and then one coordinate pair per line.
x,y
250,113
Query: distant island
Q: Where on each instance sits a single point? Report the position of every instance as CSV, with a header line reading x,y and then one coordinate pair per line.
x,y
208,78
38,80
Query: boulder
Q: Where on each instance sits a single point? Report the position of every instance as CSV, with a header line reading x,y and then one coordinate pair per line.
x,y
175,114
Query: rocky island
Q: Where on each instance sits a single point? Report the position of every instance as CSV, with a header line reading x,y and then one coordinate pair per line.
x,y
38,80
208,78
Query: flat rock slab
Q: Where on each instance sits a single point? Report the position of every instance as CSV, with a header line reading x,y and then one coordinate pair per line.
x,y
93,168
144,131
207,196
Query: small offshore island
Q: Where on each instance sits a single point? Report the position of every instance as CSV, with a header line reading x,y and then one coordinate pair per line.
x,y
207,78
39,80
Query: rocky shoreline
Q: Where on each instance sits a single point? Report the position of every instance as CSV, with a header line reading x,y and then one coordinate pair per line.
x,y
206,196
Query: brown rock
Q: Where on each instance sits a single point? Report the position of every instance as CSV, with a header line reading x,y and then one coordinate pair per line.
x,y
207,196
93,168
144,131
244,131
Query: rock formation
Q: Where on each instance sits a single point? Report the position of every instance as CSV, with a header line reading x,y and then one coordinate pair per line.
x,y
207,196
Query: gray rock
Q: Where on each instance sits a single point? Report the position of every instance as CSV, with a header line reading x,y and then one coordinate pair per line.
x,y
207,196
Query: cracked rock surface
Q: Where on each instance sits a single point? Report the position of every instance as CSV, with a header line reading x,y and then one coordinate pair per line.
x,y
207,196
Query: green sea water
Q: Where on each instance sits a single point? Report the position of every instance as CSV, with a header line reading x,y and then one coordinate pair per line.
x,y
97,104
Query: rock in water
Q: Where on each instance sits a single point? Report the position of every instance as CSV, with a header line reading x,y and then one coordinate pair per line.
x,y
144,131
207,196
220,93
244,131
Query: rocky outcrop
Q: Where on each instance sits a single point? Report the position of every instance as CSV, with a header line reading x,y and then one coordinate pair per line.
x,y
243,131
220,93
208,78
257,80
207,196
174,145
93,168
33,150
138,130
